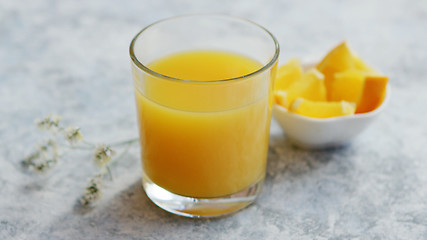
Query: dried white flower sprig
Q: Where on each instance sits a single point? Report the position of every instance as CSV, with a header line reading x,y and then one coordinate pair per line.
x,y
73,135
44,158
102,155
50,122
46,155
93,191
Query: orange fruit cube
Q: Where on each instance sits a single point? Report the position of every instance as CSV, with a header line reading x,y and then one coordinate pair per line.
x,y
362,66
280,97
373,93
322,109
337,60
347,86
311,86
287,74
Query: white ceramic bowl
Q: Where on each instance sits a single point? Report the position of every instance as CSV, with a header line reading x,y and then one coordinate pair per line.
x,y
317,133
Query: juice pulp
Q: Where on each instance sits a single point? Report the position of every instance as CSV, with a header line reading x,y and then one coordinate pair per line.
x,y
205,139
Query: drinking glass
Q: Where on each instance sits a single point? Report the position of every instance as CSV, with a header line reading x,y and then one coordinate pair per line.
x,y
204,143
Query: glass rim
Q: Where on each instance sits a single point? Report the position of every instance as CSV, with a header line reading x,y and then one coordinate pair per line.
x,y
264,67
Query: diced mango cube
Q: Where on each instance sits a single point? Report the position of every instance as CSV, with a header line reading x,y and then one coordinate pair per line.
x,y
311,86
347,86
337,60
373,93
322,109
280,97
287,74
362,66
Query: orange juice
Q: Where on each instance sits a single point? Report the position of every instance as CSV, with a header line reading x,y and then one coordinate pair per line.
x,y
204,137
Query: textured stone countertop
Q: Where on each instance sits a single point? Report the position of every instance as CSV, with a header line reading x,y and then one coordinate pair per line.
x,y
71,58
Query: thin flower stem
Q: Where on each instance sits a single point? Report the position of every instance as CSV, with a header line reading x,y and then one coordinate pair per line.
x,y
77,147
88,143
120,143
109,172
124,152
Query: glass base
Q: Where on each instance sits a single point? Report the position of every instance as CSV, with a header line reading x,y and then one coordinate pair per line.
x,y
201,207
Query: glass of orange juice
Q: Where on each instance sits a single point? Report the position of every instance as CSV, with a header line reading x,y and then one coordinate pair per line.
x,y
203,89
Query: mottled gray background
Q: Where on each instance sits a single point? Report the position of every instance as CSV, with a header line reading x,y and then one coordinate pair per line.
x,y
71,57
